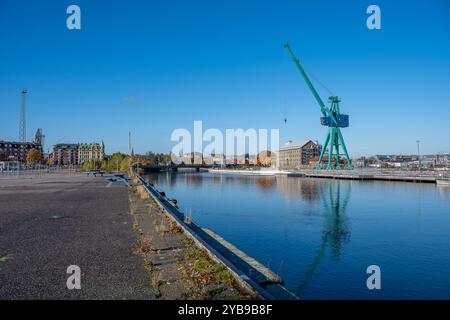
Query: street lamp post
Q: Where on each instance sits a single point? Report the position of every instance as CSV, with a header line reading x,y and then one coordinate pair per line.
x,y
418,154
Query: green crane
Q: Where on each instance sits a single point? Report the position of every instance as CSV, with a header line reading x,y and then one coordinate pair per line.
x,y
332,118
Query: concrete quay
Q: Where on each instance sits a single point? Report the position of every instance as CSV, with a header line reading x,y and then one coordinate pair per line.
x,y
403,176
356,174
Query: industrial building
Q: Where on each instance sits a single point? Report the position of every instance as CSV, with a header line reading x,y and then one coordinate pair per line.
x,y
296,155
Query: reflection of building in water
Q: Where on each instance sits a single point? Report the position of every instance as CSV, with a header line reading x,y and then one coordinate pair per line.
x,y
444,192
170,178
192,179
238,180
336,228
299,188
162,179
216,179
265,183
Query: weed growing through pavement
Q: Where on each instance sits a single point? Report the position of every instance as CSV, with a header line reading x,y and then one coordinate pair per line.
x,y
6,258
144,245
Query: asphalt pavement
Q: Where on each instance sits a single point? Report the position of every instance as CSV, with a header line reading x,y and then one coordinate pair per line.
x,y
53,221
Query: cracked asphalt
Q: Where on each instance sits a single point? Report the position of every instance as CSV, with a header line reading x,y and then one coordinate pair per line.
x,y
50,222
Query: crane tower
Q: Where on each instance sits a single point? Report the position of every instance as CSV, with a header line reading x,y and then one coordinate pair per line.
x,y
22,123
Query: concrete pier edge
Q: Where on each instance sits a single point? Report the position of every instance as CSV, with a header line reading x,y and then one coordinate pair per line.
x,y
344,175
244,280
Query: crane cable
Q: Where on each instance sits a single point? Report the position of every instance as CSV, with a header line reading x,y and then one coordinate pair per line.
x,y
284,90
318,81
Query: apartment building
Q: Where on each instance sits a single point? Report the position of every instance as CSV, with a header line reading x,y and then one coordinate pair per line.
x,y
65,154
90,152
17,151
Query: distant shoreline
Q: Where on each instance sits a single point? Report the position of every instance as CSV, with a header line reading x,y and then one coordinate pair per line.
x,y
248,172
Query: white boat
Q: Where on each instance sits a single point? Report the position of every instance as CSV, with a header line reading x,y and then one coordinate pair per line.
x,y
443,182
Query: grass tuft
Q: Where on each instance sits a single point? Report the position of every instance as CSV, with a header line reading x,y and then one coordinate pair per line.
x,y
144,245
6,258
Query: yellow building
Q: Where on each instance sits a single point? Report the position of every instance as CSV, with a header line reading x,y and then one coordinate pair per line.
x,y
90,152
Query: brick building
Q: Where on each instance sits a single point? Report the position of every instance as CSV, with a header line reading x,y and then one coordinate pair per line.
x,y
17,151
65,154
295,155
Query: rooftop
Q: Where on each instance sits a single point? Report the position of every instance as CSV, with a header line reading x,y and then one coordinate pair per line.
x,y
289,145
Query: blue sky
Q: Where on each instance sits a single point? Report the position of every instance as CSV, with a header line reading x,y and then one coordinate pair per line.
x,y
150,67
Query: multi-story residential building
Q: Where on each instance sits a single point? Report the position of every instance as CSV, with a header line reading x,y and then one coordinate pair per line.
x,y
295,155
65,154
77,154
90,152
17,151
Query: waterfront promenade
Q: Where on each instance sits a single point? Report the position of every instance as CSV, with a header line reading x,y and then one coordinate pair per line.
x,y
51,221
125,246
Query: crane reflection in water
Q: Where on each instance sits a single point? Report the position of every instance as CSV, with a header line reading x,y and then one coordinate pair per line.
x,y
336,229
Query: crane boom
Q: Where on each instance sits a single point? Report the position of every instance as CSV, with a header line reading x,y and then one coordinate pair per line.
x,y
325,110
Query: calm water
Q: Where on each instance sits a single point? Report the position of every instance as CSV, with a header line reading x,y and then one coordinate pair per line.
x,y
320,235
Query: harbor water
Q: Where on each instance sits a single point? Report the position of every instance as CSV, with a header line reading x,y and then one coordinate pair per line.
x,y
321,235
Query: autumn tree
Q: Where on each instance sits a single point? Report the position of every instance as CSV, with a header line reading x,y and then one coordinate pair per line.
x,y
117,161
91,165
157,158
33,156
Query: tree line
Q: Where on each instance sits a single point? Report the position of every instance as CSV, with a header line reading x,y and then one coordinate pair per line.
x,y
115,162
121,162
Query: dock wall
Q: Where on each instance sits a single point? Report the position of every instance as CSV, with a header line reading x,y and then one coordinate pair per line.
x,y
252,276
